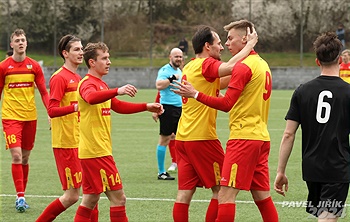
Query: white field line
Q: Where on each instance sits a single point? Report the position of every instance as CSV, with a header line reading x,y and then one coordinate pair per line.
x,y
158,199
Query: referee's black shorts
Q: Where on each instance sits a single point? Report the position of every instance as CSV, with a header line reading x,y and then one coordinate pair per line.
x,y
169,119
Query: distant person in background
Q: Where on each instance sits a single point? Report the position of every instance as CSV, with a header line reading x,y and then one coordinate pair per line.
x,y
183,45
63,111
172,104
9,53
18,75
345,66
341,34
171,144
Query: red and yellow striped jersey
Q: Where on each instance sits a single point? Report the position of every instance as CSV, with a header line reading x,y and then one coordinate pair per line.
x,y
17,81
198,121
345,72
249,115
95,121
65,129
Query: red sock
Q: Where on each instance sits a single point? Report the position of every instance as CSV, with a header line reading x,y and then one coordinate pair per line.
x,y
226,212
25,169
172,150
180,212
94,214
51,211
83,214
212,211
267,210
118,214
17,176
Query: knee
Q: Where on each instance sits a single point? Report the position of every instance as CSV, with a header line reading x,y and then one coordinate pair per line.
x,y
25,157
122,200
72,199
260,195
185,196
17,158
25,160
118,201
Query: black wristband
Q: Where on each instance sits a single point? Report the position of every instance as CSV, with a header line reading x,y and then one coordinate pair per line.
x,y
172,78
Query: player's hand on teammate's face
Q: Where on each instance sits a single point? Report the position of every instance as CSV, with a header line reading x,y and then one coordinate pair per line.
x,y
127,89
184,89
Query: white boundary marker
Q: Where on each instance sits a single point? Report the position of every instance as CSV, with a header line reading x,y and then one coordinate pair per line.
x,y
157,199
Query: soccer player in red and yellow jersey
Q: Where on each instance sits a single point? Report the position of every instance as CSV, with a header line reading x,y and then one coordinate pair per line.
x,y
18,76
96,101
344,71
63,110
198,151
247,99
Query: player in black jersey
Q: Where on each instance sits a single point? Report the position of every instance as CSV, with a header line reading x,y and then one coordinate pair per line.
x,y
322,108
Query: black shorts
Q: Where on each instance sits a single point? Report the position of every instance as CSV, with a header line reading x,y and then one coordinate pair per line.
x,y
169,119
328,197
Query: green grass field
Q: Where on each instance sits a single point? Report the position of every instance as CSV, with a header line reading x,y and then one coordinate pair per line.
x,y
134,147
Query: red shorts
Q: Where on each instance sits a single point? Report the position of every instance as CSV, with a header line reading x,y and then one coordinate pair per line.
x,y
68,167
19,133
99,175
246,165
199,163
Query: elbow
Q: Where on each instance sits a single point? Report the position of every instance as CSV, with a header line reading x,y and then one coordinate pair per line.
x,y
51,113
288,135
92,102
227,106
226,109
159,87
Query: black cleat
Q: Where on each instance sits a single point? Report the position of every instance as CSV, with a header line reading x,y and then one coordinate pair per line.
x,y
165,176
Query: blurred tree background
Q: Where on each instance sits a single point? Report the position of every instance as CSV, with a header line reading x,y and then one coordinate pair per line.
x,y
146,28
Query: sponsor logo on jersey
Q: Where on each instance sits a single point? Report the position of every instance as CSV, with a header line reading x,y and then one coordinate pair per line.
x,y
106,111
20,85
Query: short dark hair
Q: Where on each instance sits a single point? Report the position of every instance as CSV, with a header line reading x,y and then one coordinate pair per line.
x,y
90,51
328,48
9,53
65,43
203,34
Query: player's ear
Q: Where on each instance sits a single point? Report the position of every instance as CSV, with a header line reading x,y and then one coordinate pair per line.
x,y
207,45
317,62
91,62
244,39
340,59
65,53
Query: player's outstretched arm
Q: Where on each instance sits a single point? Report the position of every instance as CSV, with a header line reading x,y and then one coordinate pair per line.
x,y
155,108
184,89
127,89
